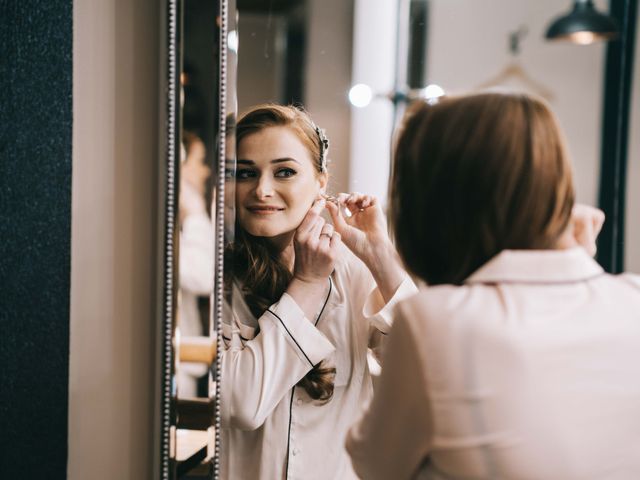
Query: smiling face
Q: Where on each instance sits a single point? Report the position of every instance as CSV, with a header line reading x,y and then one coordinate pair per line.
x,y
277,182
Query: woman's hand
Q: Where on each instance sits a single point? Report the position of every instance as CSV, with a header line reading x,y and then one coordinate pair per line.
x,y
587,222
365,233
316,246
583,229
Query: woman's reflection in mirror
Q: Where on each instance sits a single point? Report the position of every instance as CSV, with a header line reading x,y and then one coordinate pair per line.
x,y
520,359
311,296
196,259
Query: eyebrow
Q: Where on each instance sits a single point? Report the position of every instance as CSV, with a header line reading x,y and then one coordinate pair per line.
x,y
277,160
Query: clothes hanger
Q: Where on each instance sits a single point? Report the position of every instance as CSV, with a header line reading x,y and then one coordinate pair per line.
x,y
514,72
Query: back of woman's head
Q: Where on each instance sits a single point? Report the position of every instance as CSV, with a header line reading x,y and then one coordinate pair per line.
x,y
476,175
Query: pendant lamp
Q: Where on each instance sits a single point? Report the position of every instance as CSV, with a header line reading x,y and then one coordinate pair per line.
x,y
583,25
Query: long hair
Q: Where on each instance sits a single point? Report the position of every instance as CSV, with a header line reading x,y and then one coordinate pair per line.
x,y
254,263
476,175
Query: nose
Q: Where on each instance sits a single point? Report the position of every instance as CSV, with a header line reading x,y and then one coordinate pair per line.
x,y
264,188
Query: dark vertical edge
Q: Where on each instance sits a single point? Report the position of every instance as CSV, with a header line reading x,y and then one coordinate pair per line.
x,y
295,54
36,88
418,22
615,135
168,218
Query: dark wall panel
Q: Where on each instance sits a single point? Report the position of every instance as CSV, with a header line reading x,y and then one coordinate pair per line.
x,y
35,236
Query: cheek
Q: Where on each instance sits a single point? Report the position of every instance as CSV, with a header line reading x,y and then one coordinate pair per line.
x,y
302,196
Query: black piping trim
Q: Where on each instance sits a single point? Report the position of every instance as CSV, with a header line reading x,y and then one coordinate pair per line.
x,y
534,282
241,337
325,302
289,432
294,387
292,337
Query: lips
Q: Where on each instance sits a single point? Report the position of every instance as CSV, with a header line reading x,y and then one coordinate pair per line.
x,y
264,209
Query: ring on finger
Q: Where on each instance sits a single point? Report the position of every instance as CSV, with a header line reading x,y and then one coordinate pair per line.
x,y
327,231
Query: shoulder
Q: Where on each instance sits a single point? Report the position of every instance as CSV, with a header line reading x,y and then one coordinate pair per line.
x,y
433,307
632,279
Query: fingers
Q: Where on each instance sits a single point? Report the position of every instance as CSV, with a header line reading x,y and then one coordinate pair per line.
x,y
336,216
310,219
327,230
335,242
357,202
313,235
587,223
326,234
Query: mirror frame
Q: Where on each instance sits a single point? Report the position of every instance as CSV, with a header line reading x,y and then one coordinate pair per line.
x,y
165,464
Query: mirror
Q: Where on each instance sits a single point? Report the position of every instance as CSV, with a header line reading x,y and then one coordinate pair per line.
x,y
354,66
200,91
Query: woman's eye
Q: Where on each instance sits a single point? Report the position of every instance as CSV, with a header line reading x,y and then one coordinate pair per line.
x,y
244,173
285,173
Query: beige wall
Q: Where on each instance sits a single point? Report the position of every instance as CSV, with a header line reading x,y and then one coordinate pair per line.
x,y
632,222
468,45
328,78
115,159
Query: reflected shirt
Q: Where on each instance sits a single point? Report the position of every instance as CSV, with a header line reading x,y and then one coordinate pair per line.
x,y
271,428
531,370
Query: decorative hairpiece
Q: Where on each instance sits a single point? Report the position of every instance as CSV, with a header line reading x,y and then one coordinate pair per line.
x,y
324,148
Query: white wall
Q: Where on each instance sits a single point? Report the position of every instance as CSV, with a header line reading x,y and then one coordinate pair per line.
x,y
374,52
115,168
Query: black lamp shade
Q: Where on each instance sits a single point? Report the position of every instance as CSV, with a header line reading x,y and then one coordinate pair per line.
x,y
584,25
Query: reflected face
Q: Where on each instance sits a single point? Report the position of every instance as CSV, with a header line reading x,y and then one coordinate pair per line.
x,y
276,182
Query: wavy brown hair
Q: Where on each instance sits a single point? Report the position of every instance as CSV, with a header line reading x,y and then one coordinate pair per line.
x,y
255,264
476,175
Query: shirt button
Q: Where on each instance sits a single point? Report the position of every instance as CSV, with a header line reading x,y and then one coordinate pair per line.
x,y
299,401
295,452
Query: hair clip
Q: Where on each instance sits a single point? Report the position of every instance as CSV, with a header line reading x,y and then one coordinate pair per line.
x,y
324,148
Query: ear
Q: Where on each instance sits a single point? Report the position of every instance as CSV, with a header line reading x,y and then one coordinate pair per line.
x,y
323,180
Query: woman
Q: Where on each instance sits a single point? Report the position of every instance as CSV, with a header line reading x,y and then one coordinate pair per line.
x,y
522,358
306,309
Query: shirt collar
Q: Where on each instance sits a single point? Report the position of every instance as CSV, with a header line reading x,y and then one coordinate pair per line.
x,y
537,266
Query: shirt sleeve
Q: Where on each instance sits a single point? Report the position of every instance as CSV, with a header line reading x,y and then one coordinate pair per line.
x,y
196,254
393,437
257,373
379,313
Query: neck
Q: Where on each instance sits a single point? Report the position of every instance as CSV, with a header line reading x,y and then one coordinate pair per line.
x,y
283,244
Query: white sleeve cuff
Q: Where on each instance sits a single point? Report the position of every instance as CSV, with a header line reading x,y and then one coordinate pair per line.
x,y
310,344
378,312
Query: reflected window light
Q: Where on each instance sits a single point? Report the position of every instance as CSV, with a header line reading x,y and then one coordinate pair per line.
x,y
232,41
431,93
360,95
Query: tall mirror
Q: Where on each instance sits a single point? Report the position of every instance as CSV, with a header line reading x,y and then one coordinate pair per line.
x,y
351,68
199,118
269,352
